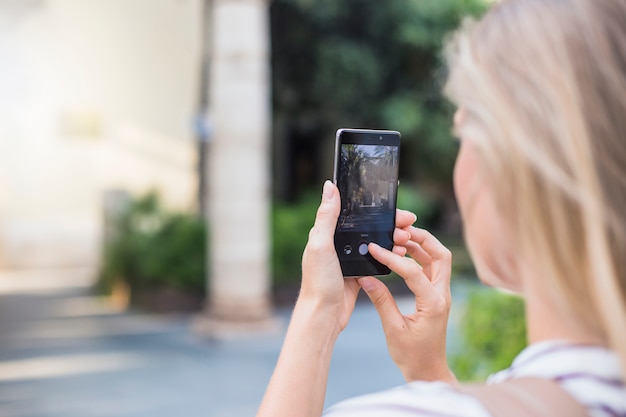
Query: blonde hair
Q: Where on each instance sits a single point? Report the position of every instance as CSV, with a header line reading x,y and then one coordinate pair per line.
x,y
543,87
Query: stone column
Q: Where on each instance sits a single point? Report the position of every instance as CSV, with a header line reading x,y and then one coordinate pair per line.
x,y
238,165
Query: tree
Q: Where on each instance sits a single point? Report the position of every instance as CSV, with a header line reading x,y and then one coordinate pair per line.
x,y
351,161
359,63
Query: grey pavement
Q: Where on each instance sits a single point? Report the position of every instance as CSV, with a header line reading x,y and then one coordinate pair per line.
x,y
64,352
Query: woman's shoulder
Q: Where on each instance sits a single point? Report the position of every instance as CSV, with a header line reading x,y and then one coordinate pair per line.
x,y
416,399
590,374
555,359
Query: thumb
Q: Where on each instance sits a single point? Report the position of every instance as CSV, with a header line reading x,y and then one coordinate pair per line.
x,y
383,301
328,211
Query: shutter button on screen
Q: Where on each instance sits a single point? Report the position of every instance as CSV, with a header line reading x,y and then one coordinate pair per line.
x,y
363,248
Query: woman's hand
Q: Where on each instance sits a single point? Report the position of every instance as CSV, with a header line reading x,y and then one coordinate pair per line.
x,y
326,301
323,284
417,342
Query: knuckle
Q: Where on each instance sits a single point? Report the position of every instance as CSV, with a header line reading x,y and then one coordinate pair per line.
x,y
413,269
321,214
381,301
317,244
325,212
440,307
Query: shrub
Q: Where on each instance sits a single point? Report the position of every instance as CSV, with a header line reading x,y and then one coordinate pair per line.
x,y
411,198
291,223
153,248
493,332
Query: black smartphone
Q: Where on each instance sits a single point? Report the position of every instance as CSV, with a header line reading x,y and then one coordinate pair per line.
x,y
366,173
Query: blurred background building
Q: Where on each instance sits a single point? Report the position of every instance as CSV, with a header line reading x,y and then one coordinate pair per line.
x,y
95,96
107,99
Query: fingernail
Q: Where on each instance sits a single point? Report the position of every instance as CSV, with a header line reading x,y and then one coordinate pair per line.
x,y
415,221
327,192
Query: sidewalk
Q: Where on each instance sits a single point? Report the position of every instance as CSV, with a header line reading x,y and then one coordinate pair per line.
x,y
66,353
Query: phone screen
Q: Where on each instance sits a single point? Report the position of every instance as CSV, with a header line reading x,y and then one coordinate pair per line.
x,y
366,173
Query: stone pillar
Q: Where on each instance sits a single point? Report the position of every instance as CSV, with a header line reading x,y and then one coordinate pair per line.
x,y
238,165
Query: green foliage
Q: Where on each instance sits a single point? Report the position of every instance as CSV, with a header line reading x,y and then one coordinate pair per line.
x,y
462,264
494,332
291,223
412,199
362,63
155,248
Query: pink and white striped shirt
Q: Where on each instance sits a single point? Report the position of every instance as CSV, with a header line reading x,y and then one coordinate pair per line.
x,y
590,374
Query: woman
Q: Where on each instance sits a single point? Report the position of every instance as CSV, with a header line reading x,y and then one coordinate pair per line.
x,y
541,184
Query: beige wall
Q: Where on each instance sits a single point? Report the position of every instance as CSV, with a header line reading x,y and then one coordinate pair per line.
x,y
95,94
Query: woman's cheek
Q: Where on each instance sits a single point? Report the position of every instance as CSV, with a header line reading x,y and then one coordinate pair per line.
x,y
483,229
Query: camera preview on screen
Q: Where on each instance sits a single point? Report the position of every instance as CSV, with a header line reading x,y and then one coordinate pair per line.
x,y
367,184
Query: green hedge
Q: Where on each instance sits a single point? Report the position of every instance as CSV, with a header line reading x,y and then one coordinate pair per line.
x,y
153,247
493,331
291,223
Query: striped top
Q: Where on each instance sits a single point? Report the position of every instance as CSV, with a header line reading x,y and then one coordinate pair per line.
x,y
591,374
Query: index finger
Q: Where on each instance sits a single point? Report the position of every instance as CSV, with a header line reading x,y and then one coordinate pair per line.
x,y
407,268
431,245
440,267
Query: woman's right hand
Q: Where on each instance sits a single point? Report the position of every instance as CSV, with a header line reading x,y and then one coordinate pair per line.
x,y
417,341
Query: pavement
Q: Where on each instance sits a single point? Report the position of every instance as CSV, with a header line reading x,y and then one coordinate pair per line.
x,y
65,352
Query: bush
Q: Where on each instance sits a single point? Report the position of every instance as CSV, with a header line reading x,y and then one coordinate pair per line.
x,y
462,264
291,223
493,332
412,199
153,248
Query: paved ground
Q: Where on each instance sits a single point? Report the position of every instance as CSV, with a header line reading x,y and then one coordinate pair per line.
x,y
66,353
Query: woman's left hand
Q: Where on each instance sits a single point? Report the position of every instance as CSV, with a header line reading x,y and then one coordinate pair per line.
x,y
323,284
